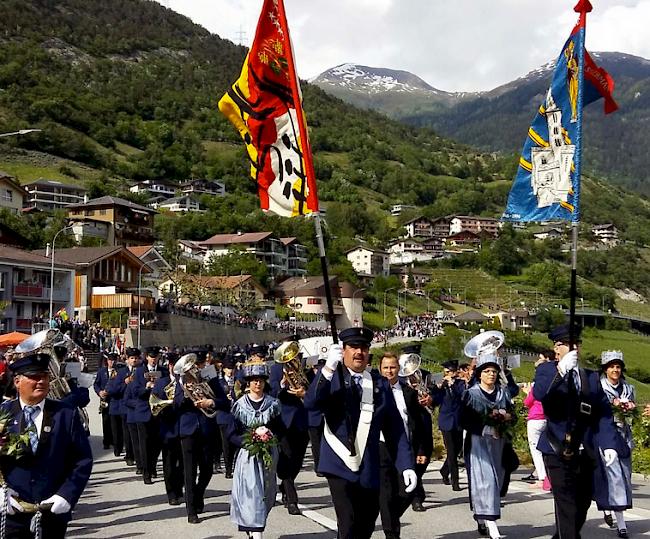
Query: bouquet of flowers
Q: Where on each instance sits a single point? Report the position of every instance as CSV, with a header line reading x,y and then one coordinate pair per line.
x,y
259,442
501,420
12,445
624,411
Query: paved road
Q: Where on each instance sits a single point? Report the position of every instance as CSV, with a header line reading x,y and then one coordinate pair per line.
x,y
116,504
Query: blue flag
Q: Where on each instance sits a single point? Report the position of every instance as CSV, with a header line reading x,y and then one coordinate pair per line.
x,y
547,184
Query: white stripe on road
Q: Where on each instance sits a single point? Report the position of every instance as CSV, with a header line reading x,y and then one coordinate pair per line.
x,y
312,515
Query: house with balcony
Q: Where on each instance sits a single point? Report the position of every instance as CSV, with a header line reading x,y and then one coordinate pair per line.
x,y
296,256
369,262
306,295
516,319
106,278
398,209
26,288
266,248
410,250
418,227
126,223
191,250
155,189
482,226
550,233
464,241
12,195
203,187
52,195
607,234
419,277
180,204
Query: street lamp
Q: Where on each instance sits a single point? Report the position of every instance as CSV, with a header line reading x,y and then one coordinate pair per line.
x,y
52,272
20,132
140,301
405,290
386,292
354,294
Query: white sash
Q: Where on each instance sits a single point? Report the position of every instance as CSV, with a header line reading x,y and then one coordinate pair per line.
x,y
363,429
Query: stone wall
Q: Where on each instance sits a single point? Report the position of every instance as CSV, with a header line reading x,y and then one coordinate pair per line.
x,y
183,331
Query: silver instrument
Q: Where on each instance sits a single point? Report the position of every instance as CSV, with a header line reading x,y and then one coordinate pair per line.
x,y
194,387
484,343
409,368
45,342
157,404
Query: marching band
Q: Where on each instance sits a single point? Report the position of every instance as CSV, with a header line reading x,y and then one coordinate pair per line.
x,y
370,430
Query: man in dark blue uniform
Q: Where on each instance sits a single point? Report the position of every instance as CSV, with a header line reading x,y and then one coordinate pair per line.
x,y
578,424
315,420
356,410
295,438
101,380
448,395
56,465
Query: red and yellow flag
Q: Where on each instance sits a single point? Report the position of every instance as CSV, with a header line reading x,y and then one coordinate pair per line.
x,y
265,105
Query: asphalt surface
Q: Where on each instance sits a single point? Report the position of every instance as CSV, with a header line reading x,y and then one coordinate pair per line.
x,y
117,504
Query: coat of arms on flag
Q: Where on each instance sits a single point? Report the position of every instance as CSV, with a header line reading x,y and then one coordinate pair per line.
x,y
262,107
547,183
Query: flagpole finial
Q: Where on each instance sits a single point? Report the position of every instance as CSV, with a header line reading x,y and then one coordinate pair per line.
x,y
583,6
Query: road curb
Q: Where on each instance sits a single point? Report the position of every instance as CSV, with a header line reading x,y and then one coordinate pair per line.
x,y
640,477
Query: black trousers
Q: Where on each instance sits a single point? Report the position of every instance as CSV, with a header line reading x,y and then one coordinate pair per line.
x,y
138,436
129,451
197,457
453,440
172,461
572,483
356,508
315,437
227,448
52,526
393,500
418,492
117,433
293,446
107,432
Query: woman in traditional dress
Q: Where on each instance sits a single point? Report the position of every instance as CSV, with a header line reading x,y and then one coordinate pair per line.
x,y
613,484
254,484
486,416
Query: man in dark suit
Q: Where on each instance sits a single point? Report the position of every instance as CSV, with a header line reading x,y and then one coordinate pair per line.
x,y
315,420
232,388
56,465
101,380
393,499
448,395
293,443
579,424
357,406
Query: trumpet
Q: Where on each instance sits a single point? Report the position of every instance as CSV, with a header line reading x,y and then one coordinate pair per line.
x,y
287,355
410,369
194,387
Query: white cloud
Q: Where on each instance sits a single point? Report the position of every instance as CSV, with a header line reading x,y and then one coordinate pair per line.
x,y
459,45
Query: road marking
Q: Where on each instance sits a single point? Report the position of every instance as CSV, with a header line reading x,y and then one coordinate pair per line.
x,y
312,515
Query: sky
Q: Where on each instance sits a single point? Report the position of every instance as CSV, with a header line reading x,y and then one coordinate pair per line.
x,y
454,45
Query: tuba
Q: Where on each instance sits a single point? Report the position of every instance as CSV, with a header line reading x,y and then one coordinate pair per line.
x,y
45,342
157,404
409,368
287,355
483,343
194,387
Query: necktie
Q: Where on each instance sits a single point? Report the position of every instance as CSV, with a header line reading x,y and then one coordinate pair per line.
x,y
30,412
356,378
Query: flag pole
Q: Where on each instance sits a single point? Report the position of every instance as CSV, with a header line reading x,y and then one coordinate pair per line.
x,y
582,7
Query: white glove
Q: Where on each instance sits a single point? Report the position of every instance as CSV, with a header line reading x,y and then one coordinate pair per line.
x,y
568,362
12,504
609,457
334,356
410,480
59,504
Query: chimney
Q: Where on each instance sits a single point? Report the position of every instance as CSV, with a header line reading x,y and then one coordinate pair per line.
x,y
239,232
47,250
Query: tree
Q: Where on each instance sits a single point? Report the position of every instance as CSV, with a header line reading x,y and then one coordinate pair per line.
x,y
238,262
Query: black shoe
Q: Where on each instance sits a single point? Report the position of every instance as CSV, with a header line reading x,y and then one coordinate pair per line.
x,y
228,474
530,478
175,501
193,519
284,499
147,480
445,480
418,507
138,471
456,487
318,474
623,533
609,520
117,453
129,462
200,506
482,530
293,509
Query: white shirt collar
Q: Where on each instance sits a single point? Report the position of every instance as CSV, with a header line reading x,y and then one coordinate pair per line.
x,y
40,405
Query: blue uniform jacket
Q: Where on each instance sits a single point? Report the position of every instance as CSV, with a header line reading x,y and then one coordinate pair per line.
x,y
115,389
335,402
294,415
63,459
552,390
169,425
314,417
101,379
136,397
449,398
